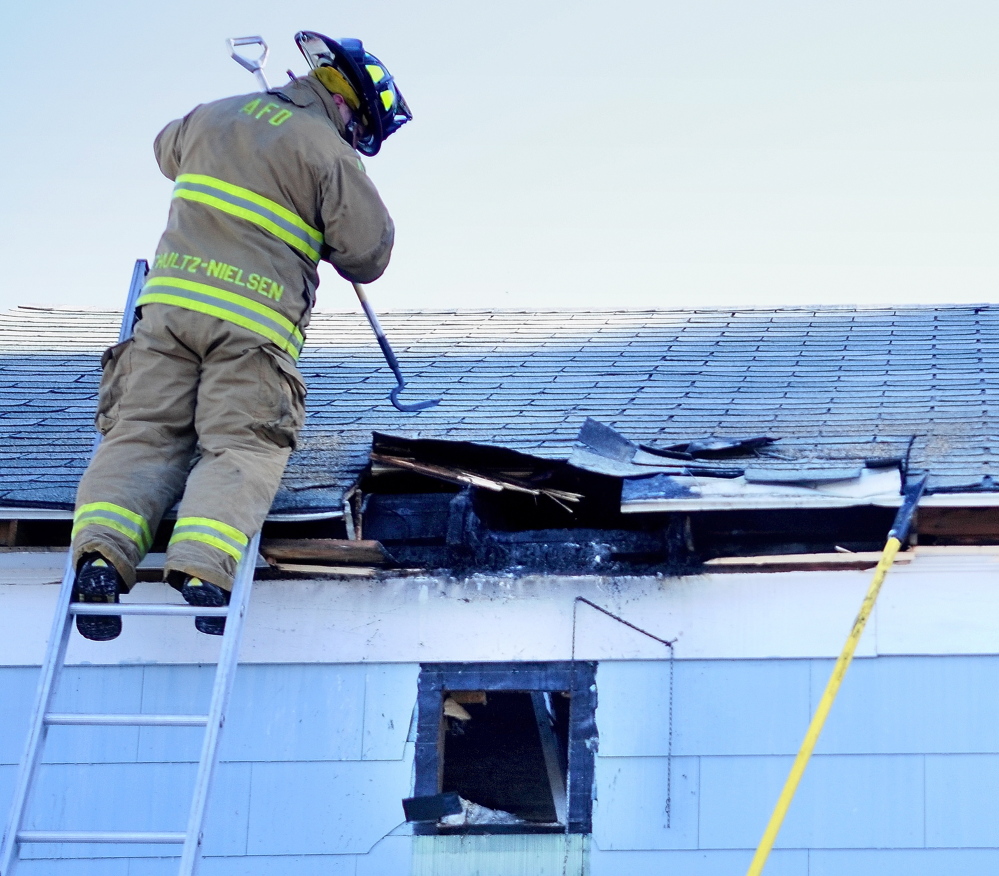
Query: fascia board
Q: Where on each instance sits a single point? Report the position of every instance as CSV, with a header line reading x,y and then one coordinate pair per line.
x,y
67,514
778,503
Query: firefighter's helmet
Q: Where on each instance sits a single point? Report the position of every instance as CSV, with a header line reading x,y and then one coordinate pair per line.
x,y
383,109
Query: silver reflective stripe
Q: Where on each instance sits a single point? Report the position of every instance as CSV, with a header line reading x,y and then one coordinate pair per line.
x,y
246,204
226,305
211,532
114,517
305,241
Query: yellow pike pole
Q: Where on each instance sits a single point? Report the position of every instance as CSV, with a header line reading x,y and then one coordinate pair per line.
x,y
898,534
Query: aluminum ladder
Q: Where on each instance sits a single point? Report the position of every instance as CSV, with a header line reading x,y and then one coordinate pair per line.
x,y
43,717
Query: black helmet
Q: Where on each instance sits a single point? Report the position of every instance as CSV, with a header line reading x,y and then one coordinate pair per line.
x,y
383,107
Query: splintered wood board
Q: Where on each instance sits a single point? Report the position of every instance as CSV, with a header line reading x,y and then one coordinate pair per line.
x,y
799,562
330,550
313,569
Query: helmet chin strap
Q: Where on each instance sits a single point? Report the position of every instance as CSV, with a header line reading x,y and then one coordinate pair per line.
x,y
353,132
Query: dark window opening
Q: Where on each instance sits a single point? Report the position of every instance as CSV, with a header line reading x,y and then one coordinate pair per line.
x,y
508,751
515,741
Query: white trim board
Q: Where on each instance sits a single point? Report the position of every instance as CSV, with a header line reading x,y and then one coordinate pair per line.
x,y
934,605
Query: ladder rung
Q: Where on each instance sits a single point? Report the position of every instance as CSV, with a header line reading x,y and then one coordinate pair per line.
x,y
118,720
146,608
97,836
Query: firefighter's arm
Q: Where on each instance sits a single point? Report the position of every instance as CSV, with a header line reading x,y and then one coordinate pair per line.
x,y
168,146
358,229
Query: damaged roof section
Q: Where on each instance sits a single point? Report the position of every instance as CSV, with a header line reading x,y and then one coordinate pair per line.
x,y
845,390
747,472
607,472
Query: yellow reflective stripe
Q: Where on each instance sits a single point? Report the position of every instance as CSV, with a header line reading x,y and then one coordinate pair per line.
x,y
223,546
233,298
249,216
110,523
138,519
224,528
221,313
248,195
90,511
281,330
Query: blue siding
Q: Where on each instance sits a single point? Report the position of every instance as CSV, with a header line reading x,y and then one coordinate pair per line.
x,y
86,867
182,690
297,713
922,862
391,857
96,689
293,792
903,705
131,796
962,800
630,810
316,760
325,808
299,865
290,865
17,693
714,863
389,705
296,865
719,707
843,802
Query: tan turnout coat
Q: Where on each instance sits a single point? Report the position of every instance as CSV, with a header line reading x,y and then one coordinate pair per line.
x,y
205,403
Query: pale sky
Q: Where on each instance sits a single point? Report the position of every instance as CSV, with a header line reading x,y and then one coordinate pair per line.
x,y
562,154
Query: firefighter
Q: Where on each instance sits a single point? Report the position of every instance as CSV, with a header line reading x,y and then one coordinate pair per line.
x,y
204,404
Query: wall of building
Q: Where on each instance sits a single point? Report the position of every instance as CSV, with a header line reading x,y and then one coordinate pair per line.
x,y
316,757
315,763
903,780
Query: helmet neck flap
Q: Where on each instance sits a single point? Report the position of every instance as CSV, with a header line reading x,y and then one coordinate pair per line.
x,y
383,109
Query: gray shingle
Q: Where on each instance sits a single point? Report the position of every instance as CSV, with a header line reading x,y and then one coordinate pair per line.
x,y
836,382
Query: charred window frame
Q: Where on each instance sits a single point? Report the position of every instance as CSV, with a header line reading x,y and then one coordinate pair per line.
x,y
571,702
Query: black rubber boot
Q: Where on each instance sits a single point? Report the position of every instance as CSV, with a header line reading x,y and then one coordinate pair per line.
x,y
206,595
97,581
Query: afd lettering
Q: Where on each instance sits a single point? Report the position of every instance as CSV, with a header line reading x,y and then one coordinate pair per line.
x,y
256,111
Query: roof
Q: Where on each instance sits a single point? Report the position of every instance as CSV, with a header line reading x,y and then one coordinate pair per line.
x,y
835,385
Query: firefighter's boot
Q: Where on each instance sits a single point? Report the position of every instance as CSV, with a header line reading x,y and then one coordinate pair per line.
x,y
206,595
98,581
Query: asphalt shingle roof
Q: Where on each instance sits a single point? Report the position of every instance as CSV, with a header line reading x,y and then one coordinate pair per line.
x,y
831,383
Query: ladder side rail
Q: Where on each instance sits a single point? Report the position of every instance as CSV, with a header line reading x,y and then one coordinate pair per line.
x,y
224,675
55,655
55,651
129,316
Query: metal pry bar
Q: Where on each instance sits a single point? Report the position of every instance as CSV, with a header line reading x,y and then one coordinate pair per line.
x,y
393,363
254,65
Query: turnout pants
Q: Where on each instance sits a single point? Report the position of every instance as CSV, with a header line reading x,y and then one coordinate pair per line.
x,y
193,408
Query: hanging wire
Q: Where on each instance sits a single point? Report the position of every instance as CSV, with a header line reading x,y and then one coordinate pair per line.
x,y
669,746
669,643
